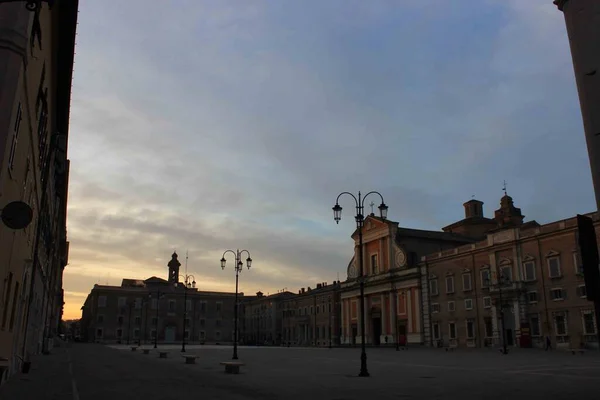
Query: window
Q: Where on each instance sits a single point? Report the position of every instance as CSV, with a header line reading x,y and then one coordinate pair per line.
x,y
138,320
153,304
101,301
154,321
451,306
450,284
136,333
435,307
203,306
218,323
560,323
486,278
202,335
153,334
119,333
318,309
532,297
534,322
487,302
581,291
556,294
554,267
202,322
122,302
578,263
452,330
489,328
374,268
218,335
436,331
15,139
188,304
470,329
433,287
99,333
120,320
100,319
529,271
138,303
219,306
186,334
468,304
172,305
466,278
589,325
505,277
187,322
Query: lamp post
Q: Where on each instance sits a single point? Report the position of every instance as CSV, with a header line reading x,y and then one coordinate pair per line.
x,y
186,285
130,305
239,266
501,281
158,296
360,220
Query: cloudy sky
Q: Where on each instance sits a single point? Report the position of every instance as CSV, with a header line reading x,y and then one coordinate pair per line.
x,y
208,125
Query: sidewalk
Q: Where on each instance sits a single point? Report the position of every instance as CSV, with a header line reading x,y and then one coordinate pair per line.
x,y
48,378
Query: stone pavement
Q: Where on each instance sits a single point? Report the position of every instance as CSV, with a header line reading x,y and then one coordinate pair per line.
x,y
115,372
49,378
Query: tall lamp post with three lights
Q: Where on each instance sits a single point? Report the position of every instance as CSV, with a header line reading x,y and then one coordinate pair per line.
x,y
360,221
239,266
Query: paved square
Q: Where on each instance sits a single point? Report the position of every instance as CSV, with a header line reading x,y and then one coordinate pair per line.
x,y
294,373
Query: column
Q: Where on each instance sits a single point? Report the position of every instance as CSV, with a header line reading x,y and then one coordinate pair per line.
x,y
380,256
343,322
393,315
383,318
582,18
409,313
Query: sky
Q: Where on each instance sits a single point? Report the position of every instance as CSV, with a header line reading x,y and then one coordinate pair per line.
x,y
208,125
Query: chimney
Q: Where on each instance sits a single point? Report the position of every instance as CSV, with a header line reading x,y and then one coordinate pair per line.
x,y
318,286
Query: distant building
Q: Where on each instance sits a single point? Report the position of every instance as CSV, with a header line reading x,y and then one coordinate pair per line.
x,y
531,272
312,317
138,310
36,60
262,318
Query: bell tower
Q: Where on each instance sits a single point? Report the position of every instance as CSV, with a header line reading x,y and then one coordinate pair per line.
x,y
174,265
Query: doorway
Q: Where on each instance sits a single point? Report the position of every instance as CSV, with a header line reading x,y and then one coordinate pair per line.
x,y
170,334
376,331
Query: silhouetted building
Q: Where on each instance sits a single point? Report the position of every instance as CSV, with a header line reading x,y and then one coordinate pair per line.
x,y
138,310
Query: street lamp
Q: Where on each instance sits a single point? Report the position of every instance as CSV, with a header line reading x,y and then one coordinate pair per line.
x,y
186,284
360,220
158,296
239,266
501,281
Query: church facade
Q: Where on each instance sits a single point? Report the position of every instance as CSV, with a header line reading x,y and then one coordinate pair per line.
x,y
393,290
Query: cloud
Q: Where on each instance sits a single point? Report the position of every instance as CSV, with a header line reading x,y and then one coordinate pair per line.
x,y
213,125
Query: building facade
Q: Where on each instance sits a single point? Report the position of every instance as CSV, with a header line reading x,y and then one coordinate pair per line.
x,y
168,311
521,283
36,60
392,282
262,318
312,317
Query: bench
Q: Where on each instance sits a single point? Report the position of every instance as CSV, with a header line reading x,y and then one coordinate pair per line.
x,y
133,348
190,359
146,351
452,348
232,367
162,354
574,351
